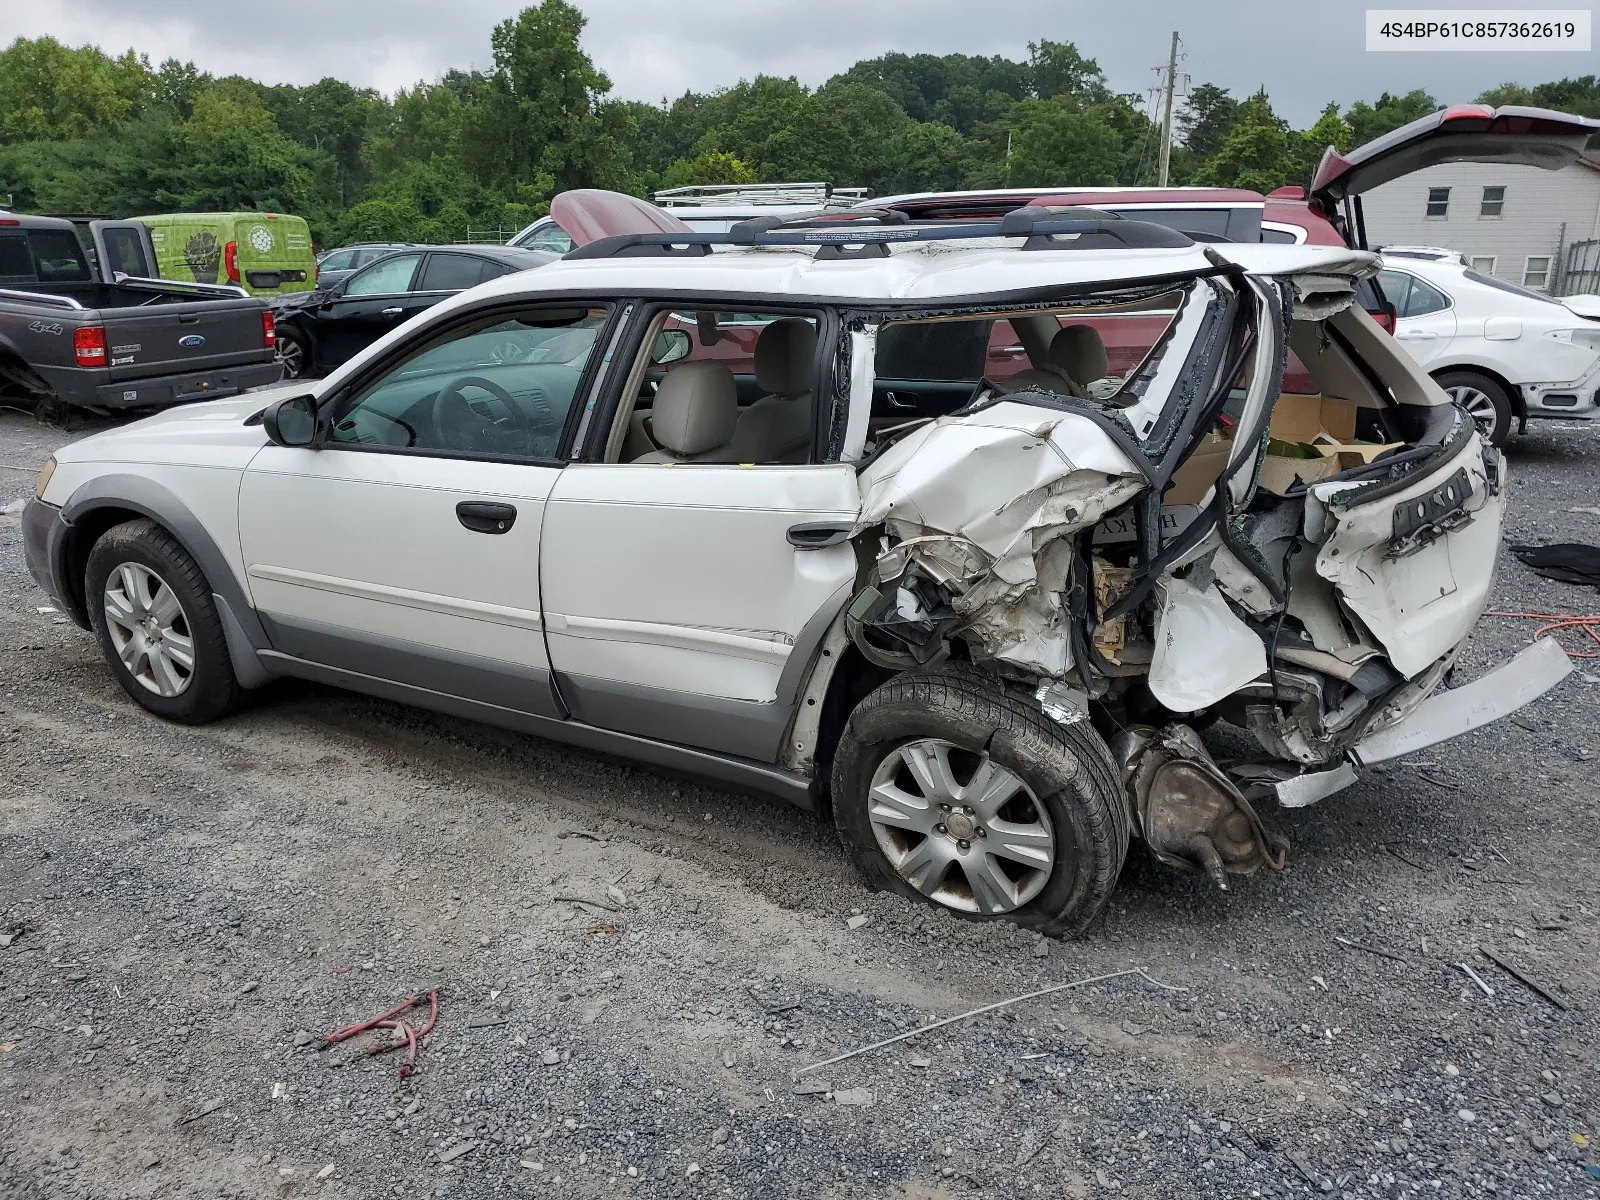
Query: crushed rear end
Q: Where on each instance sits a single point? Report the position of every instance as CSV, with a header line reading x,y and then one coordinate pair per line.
x,y
1192,542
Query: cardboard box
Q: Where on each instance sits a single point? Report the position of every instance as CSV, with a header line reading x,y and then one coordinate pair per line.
x,y
1304,419
1279,474
1350,455
1192,480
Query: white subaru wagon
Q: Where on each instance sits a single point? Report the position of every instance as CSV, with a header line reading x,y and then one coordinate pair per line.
x,y
745,505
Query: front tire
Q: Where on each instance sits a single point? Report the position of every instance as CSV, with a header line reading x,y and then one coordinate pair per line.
x,y
158,628
950,789
1482,397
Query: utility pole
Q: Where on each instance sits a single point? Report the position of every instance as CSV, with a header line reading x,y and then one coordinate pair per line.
x,y
1166,110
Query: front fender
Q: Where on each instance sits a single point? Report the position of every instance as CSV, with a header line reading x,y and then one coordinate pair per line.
x,y
113,495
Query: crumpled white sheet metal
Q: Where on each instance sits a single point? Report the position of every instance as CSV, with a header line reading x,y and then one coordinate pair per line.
x,y
1010,481
1203,652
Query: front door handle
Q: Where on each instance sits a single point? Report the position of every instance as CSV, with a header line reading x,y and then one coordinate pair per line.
x,y
483,517
391,312
817,535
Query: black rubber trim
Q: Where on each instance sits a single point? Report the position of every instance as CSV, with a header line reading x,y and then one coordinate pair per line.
x,y
144,496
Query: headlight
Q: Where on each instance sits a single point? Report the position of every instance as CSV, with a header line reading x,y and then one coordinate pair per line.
x,y
45,472
1588,337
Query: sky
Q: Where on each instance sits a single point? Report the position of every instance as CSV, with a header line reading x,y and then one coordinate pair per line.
x,y
1303,54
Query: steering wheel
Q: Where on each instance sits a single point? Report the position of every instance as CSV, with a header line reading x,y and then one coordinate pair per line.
x,y
498,424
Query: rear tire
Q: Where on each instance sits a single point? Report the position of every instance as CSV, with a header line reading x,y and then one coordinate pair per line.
x,y
294,354
1047,858
151,609
1485,399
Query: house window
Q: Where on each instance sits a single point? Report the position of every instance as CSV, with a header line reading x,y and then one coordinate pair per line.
x,y
1494,199
1483,264
1536,272
1438,203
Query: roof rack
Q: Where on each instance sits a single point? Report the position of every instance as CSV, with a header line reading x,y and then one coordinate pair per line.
x,y
757,193
872,237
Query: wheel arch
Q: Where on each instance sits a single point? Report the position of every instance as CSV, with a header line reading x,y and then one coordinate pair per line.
x,y
1519,407
109,500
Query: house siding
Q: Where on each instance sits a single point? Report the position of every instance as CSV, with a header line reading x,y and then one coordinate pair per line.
x,y
1536,205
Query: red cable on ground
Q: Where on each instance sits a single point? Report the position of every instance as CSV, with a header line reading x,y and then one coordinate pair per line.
x,y
387,1021
1588,624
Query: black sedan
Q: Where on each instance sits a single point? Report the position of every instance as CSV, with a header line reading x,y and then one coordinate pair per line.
x,y
319,330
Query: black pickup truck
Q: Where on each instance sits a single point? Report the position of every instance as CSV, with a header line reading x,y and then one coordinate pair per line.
x,y
109,336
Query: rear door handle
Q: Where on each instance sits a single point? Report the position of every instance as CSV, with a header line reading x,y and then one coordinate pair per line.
x,y
817,535
483,517
392,312
902,401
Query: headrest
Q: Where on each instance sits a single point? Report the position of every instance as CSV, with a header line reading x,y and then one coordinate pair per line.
x,y
786,355
696,409
1078,351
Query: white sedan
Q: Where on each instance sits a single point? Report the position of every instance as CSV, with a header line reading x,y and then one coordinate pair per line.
x,y
1505,353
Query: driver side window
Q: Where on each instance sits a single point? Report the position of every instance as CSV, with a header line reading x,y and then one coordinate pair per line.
x,y
498,387
386,278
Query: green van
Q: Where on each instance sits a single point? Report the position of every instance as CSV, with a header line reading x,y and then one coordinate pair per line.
x,y
267,254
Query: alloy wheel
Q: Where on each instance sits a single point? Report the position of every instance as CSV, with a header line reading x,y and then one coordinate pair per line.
x,y
149,629
292,357
1480,407
960,828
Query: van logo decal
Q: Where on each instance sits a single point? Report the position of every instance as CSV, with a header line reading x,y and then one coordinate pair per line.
x,y
261,238
192,340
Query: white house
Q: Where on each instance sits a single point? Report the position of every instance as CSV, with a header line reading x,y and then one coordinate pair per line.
x,y
1515,223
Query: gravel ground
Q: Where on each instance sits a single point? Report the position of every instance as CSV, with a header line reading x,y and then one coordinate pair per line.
x,y
184,908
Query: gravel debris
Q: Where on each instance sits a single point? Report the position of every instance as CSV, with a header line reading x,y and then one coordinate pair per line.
x,y
341,852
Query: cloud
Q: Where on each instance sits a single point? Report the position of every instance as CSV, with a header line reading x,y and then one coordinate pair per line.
x,y
1304,55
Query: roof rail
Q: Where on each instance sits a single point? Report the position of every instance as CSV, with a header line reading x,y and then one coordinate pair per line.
x,y
757,193
1089,230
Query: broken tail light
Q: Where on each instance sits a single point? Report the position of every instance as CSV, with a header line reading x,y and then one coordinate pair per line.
x,y
89,345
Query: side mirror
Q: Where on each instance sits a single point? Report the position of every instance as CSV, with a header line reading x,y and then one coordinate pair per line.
x,y
293,422
671,345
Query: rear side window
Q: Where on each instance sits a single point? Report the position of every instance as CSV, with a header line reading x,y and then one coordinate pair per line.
x,y
933,350
59,256
1412,297
452,273
384,278
1424,299
15,261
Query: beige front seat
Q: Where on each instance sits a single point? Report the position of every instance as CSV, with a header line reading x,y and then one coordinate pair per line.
x,y
695,413
1077,359
777,427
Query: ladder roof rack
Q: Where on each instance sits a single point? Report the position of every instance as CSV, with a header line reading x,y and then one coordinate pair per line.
x,y
1039,227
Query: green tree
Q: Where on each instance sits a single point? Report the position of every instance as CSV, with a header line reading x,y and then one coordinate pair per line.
x,y
1057,69
1206,119
1330,130
1257,154
1369,121
1053,143
231,155
50,91
538,115
714,166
